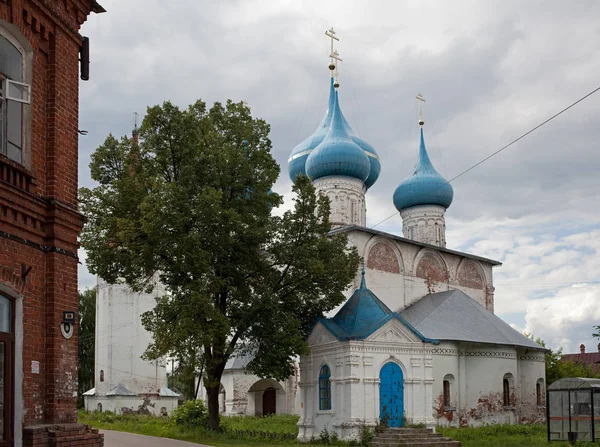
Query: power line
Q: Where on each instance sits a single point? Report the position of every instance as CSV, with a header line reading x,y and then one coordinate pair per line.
x,y
509,144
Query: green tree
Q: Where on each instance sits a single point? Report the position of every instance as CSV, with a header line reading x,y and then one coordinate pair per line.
x,y
192,204
558,368
86,339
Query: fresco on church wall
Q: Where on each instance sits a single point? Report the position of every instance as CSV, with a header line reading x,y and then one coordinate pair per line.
x,y
382,257
469,276
432,270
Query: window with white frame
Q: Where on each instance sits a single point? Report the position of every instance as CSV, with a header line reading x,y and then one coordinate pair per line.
x,y
15,94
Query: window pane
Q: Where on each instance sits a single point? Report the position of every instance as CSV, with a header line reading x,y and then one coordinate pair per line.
x,y
15,128
5,316
14,153
11,60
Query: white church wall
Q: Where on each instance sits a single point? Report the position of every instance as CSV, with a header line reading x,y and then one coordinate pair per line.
x,y
155,405
121,340
476,373
400,272
355,377
532,371
242,393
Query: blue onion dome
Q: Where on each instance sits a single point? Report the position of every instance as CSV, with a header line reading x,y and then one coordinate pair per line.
x,y
338,154
425,186
297,160
369,151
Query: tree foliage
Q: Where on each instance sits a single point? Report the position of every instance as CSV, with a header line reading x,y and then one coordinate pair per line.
x,y
559,368
86,339
192,204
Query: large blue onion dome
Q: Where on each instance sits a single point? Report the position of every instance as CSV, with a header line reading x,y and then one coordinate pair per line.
x,y
369,150
337,154
297,160
425,186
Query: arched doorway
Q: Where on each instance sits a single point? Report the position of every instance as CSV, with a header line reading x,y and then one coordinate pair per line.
x,y
391,395
269,401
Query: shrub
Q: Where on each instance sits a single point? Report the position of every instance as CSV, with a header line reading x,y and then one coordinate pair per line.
x,y
192,412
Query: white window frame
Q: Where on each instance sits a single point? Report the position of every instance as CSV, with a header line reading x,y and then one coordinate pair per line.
x,y
21,86
25,88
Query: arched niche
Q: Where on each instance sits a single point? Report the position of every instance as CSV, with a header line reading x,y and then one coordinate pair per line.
x,y
383,257
470,274
431,266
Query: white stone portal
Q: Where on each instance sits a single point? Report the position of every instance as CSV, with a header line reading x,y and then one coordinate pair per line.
x,y
425,223
347,198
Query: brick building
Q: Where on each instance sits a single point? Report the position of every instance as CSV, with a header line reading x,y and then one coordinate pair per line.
x,y
39,222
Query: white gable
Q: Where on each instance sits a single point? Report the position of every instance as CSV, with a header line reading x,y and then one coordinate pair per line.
x,y
394,331
320,335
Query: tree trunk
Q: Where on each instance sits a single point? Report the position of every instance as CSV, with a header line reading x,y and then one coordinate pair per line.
x,y
212,395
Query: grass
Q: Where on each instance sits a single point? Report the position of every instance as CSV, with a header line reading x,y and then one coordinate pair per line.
x,y
230,437
247,431
501,436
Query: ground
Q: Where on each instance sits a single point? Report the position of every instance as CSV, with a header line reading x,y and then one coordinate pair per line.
x,y
122,439
280,431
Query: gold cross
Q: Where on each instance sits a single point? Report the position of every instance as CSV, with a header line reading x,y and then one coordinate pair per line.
x,y
335,55
331,33
421,100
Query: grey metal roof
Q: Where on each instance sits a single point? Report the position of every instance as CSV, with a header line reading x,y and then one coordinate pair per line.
x,y
91,392
410,241
238,361
166,392
453,315
120,390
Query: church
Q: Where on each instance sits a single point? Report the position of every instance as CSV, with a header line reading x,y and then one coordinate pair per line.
x,y
416,341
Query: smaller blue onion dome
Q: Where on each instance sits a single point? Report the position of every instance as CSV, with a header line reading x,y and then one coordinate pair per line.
x,y
369,151
425,186
297,159
338,154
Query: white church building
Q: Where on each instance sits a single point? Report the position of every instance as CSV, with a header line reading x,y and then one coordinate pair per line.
x,y
416,341
124,383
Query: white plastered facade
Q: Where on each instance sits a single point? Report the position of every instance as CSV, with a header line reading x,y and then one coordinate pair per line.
x,y
123,381
355,379
400,272
244,394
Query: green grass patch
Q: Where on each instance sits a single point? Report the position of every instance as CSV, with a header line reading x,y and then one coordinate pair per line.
x,y
238,431
501,436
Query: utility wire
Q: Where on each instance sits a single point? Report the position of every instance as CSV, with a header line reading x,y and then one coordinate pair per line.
x,y
509,144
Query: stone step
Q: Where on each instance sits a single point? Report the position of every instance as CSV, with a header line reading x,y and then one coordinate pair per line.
x,y
415,437
407,430
441,442
409,436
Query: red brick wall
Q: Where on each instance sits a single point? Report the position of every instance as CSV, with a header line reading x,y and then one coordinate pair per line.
x,y
39,222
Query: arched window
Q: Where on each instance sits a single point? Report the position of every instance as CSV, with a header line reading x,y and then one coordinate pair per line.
x,y
14,93
539,392
446,393
324,388
448,383
507,386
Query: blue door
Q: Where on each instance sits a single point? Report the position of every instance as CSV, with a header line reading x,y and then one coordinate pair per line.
x,y
391,395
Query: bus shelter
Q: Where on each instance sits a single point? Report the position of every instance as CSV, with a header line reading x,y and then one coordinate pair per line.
x,y
573,410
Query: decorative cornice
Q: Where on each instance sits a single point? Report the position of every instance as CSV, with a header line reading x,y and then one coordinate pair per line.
x,y
43,248
535,358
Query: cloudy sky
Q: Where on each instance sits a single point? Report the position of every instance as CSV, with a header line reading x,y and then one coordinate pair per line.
x,y
489,71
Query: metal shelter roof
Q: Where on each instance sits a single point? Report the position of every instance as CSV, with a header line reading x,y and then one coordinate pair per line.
x,y
575,383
